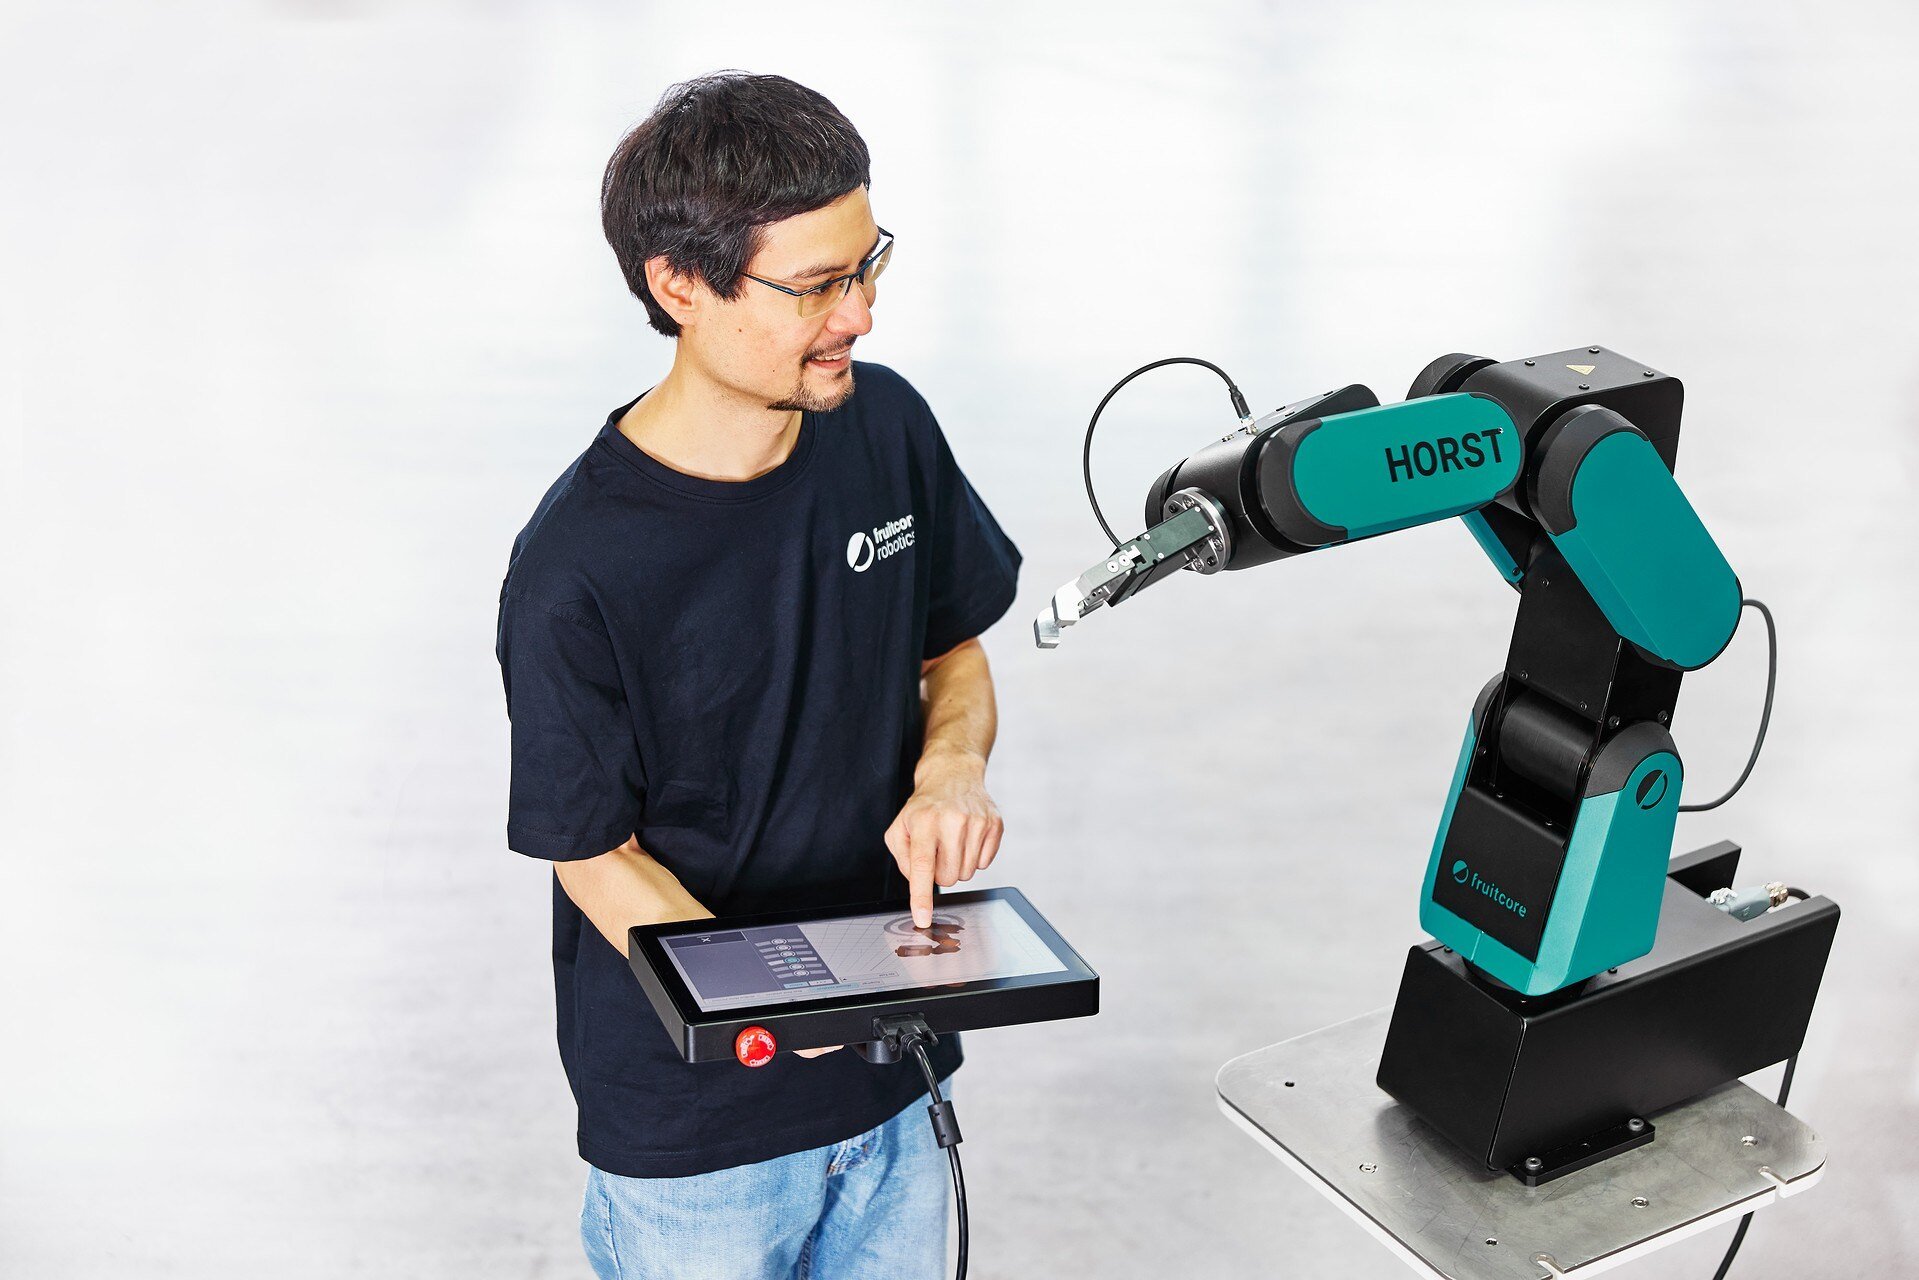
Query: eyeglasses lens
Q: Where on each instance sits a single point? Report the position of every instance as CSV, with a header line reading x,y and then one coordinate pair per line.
x,y
823,300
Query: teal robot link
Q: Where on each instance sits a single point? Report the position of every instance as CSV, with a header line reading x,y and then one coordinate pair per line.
x,y
1549,863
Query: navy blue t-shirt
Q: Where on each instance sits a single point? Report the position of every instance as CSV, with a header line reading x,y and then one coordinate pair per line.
x,y
730,671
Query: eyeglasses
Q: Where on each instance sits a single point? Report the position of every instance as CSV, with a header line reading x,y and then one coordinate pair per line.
x,y
822,298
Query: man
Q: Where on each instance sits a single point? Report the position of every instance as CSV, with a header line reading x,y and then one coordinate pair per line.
x,y
739,644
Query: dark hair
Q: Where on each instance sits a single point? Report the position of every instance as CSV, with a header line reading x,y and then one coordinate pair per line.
x,y
719,158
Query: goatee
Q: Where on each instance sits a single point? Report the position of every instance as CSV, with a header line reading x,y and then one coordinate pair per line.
x,y
807,401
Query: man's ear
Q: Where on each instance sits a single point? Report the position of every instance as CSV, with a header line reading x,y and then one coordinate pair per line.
x,y
678,293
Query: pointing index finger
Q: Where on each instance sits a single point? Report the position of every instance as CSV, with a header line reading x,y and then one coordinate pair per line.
x,y
923,850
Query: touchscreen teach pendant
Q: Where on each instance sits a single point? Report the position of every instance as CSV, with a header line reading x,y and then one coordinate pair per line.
x,y
747,988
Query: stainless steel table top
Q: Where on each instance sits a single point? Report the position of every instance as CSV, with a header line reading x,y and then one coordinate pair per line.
x,y
1312,1102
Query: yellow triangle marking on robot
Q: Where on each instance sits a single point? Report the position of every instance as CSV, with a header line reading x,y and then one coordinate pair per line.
x,y
1582,368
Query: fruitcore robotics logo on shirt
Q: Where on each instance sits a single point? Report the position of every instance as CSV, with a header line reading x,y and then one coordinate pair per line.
x,y
864,548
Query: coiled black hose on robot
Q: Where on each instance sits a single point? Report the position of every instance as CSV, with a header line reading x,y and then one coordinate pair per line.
x,y
1086,450
1765,713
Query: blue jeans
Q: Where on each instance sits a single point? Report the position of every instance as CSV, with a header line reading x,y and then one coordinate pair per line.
x,y
873,1206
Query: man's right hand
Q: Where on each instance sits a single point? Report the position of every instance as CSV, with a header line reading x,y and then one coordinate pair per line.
x,y
948,829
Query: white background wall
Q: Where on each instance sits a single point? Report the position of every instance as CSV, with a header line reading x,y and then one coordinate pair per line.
x,y
305,304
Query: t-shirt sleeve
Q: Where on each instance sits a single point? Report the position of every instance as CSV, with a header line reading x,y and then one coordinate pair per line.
x,y
577,787
975,566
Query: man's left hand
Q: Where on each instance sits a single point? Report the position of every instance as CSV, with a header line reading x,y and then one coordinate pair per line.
x,y
949,829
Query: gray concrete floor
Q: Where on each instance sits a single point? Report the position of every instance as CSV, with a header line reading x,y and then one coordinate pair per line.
x,y
307,303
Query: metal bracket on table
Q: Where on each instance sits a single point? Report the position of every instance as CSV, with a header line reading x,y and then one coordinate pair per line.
x,y
1312,1102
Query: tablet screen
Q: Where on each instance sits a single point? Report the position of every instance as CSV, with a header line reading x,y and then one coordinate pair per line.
x,y
845,955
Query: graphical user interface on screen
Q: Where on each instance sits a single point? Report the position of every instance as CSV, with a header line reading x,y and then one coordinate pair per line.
x,y
786,963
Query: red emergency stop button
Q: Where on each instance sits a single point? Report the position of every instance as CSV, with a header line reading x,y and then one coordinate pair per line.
x,y
754,1046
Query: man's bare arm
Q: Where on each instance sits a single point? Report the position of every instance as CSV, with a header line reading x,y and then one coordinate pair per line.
x,y
950,828
627,886
962,718
624,887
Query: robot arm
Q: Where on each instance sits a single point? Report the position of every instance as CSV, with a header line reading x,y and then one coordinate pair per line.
x,y
1548,864
1332,469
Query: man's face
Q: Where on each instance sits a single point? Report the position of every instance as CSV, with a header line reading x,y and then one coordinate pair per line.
x,y
759,344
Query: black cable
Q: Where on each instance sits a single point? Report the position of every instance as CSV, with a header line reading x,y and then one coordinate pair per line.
x,y
1765,715
1793,891
1086,452
1732,1251
946,1133
959,1202
1739,1236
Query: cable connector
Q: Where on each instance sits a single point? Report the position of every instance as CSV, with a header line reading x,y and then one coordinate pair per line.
x,y
1751,903
1239,406
893,1035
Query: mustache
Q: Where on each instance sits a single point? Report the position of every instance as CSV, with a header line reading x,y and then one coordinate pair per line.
x,y
826,353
